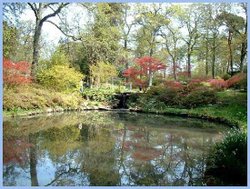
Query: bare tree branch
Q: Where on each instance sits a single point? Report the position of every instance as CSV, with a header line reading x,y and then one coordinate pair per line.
x,y
58,10
64,33
34,9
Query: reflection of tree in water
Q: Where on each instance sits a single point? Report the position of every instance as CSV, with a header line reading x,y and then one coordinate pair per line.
x,y
162,158
33,160
99,159
15,152
10,174
62,147
109,152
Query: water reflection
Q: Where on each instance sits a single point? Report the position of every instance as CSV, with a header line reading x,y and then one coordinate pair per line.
x,y
107,149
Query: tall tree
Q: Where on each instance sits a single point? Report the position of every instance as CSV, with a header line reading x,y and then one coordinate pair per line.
x,y
151,19
172,37
10,41
101,41
211,27
244,38
235,25
39,9
127,25
191,22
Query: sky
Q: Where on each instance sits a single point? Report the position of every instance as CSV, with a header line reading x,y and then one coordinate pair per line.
x,y
50,34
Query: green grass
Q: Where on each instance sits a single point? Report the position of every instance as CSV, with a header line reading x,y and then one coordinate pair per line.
x,y
231,108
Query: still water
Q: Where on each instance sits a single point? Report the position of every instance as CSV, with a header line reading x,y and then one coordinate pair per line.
x,y
106,148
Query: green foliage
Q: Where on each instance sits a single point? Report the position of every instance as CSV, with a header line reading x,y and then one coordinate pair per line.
x,y
167,95
9,40
98,94
132,100
103,72
59,58
199,97
227,161
60,78
226,76
179,97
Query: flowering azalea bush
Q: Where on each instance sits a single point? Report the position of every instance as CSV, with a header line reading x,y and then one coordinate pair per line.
x,y
238,81
218,84
16,73
174,85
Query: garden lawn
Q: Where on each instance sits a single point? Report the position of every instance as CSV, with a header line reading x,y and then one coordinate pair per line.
x,y
231,106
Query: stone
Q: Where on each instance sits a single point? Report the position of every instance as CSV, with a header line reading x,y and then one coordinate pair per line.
x,y
49,110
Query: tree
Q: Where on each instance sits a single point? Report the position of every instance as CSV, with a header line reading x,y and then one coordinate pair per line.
x,y
101,39
235,24
191,22
172,39
244,39
145,68
128,22
151,20
210,34
102,72
12,12
9,40
38,9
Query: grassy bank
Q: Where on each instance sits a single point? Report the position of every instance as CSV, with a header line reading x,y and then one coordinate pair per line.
x,y
24,98
231,108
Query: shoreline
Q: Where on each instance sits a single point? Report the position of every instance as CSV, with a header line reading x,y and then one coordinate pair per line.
x,y
184,113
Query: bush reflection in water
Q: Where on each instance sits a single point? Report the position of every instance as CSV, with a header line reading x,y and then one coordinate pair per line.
x,y
103,148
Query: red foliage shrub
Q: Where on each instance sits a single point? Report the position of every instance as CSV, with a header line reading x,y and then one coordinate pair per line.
x,y
218,84
183,74
16,73
236,80
194,83
174,85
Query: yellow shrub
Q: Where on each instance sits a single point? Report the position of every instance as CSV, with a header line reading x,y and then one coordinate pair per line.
x,y
60,78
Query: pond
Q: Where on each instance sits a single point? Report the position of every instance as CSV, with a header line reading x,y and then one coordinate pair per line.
x,y
95,148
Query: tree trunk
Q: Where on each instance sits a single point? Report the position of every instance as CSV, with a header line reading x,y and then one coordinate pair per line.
x,y
150,82
189,65
242,55
213,56
229,42
243,46
33,161
38,10
207,55
126,57
174,69
37,36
